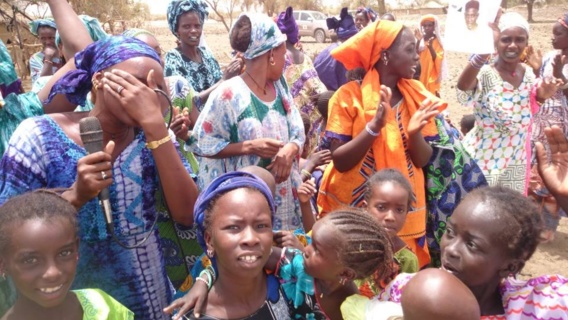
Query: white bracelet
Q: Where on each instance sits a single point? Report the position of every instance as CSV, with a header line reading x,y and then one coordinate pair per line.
x,y
371,132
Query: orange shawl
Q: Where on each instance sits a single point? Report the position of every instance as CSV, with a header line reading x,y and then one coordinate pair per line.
x,y
351,107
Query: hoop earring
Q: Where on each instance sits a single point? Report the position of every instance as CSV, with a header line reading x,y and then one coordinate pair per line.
x,y
272,61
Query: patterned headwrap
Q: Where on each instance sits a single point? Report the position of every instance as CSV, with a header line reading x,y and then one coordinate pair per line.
x,y
564,20
264,36
370,13
36,24
223,184
178,7
135,32
287,24
93,26
7,71
511,20
345,27
100,55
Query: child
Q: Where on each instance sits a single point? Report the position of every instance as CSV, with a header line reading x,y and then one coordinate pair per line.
x,y
39,251
388,198
466,123
489,237
346,245
431,50
322,103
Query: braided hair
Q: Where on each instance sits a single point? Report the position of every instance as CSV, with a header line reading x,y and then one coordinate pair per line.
x,y
41,204
519,217
240,36
365,245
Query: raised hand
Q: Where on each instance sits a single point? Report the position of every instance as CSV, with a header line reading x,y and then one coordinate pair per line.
x,y
317,159
560,60
554,170
418,34
534,58
547,88
306,190
234,68
383,108
287,239
139,101
421,117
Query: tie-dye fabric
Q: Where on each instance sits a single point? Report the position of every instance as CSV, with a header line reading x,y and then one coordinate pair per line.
x,y
36,24
265,35
178,7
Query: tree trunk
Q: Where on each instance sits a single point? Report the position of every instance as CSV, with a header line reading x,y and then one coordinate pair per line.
x,y
382,7
504,4
530,4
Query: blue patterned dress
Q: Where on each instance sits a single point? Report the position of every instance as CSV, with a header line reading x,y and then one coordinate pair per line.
x,y
234,114
201,76
40,155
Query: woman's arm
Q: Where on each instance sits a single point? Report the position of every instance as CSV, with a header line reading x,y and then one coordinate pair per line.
x,y
468,78
420,151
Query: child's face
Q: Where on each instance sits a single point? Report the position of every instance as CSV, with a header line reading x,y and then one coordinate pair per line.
x,y
320,257
471,247
42,260
389,204
241,232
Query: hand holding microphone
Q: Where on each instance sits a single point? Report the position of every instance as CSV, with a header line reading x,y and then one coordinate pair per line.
x,y
94,171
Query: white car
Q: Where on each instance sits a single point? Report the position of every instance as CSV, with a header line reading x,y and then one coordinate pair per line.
x,y
312,24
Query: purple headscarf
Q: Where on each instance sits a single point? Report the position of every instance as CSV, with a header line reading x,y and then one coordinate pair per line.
x,y
100,55
287,24
345,27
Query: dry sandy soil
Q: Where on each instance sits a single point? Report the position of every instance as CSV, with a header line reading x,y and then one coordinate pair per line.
x,y
550,258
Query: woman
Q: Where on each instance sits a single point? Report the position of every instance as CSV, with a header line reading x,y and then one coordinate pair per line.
x,y
251,119
364,16
431,51
139,155
369,135
47,61
189,59
554,111
234,217
503,95
301,75
330,71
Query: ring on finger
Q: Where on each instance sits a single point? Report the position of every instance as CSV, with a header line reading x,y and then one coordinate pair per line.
x,y
119,89
103,175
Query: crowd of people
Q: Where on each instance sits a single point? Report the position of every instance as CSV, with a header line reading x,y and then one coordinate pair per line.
x,y
279,187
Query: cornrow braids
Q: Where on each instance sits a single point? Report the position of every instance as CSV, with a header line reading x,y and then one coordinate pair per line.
x,y
41,204
521,221
366,247
389,175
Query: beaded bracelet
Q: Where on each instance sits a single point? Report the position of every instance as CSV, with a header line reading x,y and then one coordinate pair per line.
x,y
477,61
208,283
204,281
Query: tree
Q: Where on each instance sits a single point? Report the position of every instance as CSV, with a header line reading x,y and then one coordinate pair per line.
x,y
224,10
382,7
111,11
530,4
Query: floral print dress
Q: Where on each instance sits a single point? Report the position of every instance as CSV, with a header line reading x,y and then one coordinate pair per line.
x,y
234,114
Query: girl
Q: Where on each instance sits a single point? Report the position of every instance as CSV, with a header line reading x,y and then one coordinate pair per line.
x,y
431,50
490,236
389,197
39,251
346,245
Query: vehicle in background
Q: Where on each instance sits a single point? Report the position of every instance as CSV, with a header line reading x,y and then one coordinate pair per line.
x,y
312,24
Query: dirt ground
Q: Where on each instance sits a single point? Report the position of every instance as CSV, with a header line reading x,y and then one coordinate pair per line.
x,y
550,258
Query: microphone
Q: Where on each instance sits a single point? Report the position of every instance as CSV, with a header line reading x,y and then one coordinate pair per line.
x,y
92,138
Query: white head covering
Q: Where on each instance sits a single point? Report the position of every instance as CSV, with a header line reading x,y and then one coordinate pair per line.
x,y
511,20
422,45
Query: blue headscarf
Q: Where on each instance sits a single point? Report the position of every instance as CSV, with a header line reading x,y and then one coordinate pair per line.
x,y
36,24
100,55
345,27
93,26
223,184
178,7
370,13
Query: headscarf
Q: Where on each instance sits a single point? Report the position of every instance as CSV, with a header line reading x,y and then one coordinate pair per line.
x,y
564,21
264,36
93,26
7,71
370,13
433,18
178,7
135,32
287,24
221,185
511,20
345,27
362,51
36,24
100,55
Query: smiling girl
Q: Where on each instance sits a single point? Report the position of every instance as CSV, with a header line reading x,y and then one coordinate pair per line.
x,y
39,251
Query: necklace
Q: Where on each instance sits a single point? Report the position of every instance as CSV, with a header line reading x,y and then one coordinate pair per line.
x,y
263,89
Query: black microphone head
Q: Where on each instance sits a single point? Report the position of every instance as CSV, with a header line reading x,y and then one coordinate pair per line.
x,y
91,134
